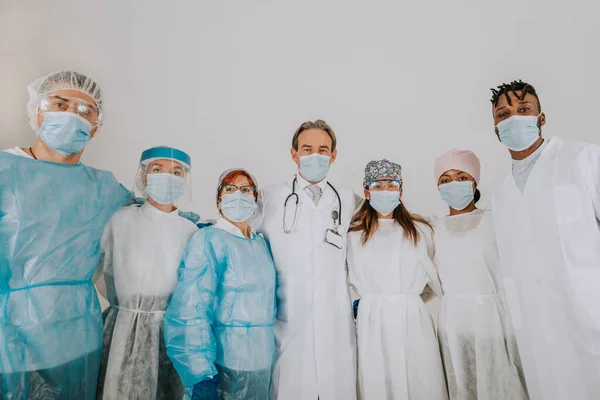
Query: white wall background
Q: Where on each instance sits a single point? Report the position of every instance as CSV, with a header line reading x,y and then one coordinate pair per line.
x,y
230,81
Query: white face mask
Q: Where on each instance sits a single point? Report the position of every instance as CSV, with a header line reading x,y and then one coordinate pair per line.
x,y
519,132
457,195
314,168
384,202
165,188
238,207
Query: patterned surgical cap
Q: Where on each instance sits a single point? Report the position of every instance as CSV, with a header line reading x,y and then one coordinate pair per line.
x,y
382,168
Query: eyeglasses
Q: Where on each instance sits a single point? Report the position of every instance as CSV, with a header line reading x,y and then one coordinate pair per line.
x,y
384,184
246,189
54,103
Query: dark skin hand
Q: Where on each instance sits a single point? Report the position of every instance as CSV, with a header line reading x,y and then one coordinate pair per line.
x,y
527,106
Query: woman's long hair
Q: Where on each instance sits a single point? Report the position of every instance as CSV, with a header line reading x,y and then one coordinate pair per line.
x,y
366,221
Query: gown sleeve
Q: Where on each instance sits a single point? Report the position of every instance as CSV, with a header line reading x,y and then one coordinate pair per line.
x,y
591,173
105,261
257,219
433,287
189,337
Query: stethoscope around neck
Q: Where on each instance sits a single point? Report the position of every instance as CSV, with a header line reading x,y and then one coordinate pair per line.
x,y
336,215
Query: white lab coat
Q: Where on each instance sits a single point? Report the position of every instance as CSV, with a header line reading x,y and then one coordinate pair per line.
x,y
478,344
314,331
140,256
398,352
549,242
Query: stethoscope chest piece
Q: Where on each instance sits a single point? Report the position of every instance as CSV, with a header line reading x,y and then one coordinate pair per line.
x,y
335,214
337,226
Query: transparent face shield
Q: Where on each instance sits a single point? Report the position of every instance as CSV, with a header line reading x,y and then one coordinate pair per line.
x,y
164,178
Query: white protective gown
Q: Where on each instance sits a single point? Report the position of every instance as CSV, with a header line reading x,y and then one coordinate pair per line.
x,y
398,352
478,344
314,331
549,242
140,256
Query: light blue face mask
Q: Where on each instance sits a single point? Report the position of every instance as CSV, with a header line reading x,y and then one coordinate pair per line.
x,y
519,132
238,207
314,168
65,132
457,194
385,202
165,188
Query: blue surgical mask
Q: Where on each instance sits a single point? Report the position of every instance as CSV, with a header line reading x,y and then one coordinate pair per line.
x,y
314,168
165,188
385,202
519,132
457,194
66,132
238,207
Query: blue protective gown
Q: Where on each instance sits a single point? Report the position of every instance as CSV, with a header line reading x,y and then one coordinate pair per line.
x,y
51,220
220,319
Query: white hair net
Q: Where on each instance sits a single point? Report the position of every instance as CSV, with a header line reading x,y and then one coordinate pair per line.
x,y
62,80
224,174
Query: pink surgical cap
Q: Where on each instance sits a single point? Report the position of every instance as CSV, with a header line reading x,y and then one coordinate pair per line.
x,y
460,160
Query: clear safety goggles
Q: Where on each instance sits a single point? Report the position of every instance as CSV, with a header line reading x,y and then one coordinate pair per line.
x,y
384,184
59,103
245,189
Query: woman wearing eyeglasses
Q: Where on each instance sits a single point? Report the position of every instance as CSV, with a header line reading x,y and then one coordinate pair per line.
x,y
219,324
390,267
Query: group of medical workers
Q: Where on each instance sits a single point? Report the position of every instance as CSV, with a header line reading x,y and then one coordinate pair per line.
x,y
259,305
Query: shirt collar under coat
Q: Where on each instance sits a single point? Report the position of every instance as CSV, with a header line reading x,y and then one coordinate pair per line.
x,y
547,153
303,183
228,227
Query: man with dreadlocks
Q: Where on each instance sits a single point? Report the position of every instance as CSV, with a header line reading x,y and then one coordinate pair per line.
x,y
547,220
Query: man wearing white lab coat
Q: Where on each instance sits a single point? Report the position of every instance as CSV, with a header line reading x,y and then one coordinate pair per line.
x,y
305,221
546,214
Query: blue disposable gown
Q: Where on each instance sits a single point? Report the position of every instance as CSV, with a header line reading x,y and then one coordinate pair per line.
x,y
220,318
51,220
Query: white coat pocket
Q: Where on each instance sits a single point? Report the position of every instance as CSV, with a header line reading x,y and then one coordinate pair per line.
x,y
568,204
585,286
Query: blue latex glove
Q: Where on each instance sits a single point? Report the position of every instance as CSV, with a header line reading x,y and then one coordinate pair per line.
x,y
190,216
203,224
206,390
355,307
